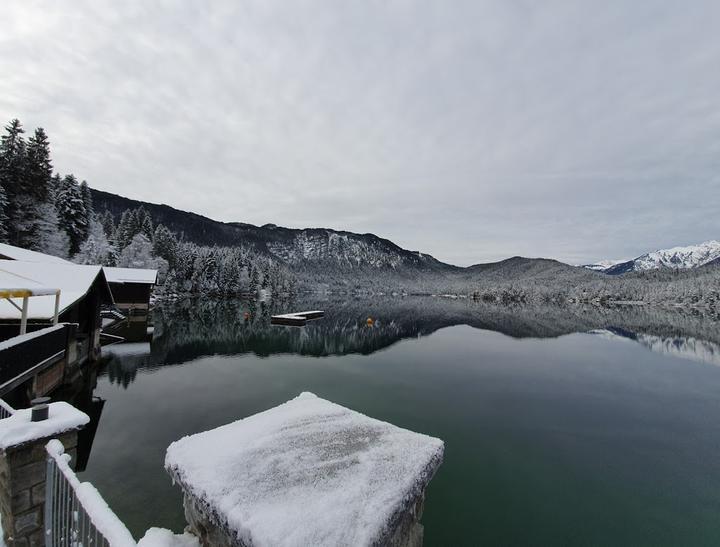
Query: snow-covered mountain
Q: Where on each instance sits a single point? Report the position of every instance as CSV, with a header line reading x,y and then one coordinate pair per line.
x,y
679,258
602,265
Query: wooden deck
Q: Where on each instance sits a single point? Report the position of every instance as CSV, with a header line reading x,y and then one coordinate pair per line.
x,y
297,319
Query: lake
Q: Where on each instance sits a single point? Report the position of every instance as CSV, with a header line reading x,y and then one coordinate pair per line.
x,y
575,426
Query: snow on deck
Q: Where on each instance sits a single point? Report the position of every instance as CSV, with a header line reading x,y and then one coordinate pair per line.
x,y
18,429
130,275
307,472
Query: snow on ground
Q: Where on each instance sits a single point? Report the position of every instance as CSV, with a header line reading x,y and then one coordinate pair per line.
x,y
161,537
127,348
18,429
307,472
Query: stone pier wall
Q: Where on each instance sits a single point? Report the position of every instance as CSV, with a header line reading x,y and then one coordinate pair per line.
x,y
22,489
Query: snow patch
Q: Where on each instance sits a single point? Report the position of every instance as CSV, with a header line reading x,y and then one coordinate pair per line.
x,y
307,472
18,429
17,253
161,537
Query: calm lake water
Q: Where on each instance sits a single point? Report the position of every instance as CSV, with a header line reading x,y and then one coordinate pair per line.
x,y
574,426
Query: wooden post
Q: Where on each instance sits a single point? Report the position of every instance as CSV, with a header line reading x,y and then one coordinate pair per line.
x,y
23,317
57,308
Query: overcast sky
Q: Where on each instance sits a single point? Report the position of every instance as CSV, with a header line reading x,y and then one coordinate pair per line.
x,y
473,131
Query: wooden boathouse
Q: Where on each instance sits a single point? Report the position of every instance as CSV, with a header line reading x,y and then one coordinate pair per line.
x,y
49,324
131,288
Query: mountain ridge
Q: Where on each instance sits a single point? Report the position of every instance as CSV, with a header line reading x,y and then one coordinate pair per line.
x,y
680,258
276,240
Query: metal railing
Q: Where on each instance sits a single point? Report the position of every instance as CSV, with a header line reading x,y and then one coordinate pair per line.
x,y
5,410
75,513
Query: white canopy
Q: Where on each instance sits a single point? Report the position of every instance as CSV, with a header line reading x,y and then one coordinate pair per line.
x,y
44,280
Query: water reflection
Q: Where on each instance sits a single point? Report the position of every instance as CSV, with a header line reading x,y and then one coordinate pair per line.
x,y
685,347
186,330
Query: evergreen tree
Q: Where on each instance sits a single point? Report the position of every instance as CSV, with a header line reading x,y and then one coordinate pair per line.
x,y
96,249
12,176
254,281
3,216
139,255
146,225
165,245
51,239
87,201
125,229
71,212
54,187
108,224
39,166
36,189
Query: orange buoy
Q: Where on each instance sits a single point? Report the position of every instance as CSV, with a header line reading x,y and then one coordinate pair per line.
x,y
370,321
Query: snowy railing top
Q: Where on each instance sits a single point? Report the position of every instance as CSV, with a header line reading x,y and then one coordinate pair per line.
x,y
307,472
96,509
103,518
18,429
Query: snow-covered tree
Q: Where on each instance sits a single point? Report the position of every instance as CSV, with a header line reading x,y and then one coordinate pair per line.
x,y
126,229
145,223
51,239
3,216
71,212
38,171
165,245
139,255
108,223
87,201
96,249
12,174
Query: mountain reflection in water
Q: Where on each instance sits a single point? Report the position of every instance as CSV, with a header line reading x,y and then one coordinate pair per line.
x,y
188,329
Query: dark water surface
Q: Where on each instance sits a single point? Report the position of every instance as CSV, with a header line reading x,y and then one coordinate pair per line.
x,y
562,427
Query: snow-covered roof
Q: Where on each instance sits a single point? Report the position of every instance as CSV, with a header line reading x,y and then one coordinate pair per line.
x,y
307,472
130,275
11,252
73,280
15,286
18,429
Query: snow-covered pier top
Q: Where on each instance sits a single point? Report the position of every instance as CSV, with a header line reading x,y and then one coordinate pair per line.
x,y
307,472
297,319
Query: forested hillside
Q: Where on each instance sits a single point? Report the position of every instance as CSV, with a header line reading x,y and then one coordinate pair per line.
x,y
53,213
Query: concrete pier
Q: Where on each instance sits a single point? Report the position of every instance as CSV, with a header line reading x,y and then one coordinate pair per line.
x,y
307,472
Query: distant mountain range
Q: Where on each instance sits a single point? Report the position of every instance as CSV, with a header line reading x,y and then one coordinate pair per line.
x,y
344,259
679,258
347,261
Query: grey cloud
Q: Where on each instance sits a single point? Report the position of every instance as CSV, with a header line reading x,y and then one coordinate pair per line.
x,y
469,130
